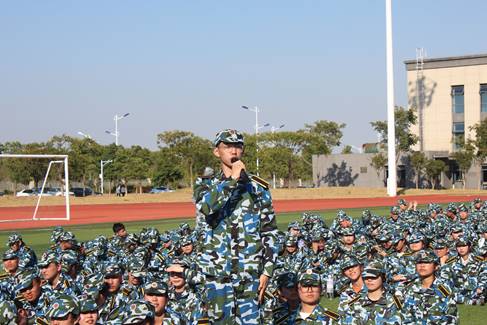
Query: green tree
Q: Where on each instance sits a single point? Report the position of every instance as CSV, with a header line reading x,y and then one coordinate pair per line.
x,y
464,159
405,140
166,169
347,150
418,162
379,163
433,170
479,141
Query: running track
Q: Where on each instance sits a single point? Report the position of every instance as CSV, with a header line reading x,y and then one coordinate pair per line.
x,y
109,213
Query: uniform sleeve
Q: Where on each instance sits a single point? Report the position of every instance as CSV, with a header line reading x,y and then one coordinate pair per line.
x,y
268,232
210,198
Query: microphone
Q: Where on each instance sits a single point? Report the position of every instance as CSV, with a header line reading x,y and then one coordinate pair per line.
x,y
243,175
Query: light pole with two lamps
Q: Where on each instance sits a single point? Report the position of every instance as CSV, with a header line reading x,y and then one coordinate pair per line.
x,y
116,118
257,128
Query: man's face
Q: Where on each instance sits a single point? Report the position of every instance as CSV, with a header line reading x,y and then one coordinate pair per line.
x,y
15,246
187,249
167,244
291,249
66,244
11,265
133,280
462,250
227,152
353,273
417,246
394,216
158,301
113,283
425,269
68,320
440,252
373,283
296,232
463,215
32,292
50,272
122,233
177,279
309,295
456,235
348,239
318,245
88,318
387,244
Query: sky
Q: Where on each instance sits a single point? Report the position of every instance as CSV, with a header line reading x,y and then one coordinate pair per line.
x,y
69,66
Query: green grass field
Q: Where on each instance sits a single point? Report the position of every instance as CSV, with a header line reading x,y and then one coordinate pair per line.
x,y
38,239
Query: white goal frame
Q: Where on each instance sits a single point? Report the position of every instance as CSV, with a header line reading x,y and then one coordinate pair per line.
x,y
60,159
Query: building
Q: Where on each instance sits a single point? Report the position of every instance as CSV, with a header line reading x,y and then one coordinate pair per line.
x,y
450,96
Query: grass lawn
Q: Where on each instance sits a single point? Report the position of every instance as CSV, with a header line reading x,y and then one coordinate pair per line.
x,y
38,239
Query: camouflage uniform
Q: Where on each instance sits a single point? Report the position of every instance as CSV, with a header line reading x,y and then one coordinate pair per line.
x,y
62,306
27,257
36,310
241,243
160,288
347,294
112,309
8,313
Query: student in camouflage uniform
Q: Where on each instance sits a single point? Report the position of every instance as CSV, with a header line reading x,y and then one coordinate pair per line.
x,y
55,281
9,278
352,270
27,257
31,297
114,299
428,299
376,305
156,294
64,310
88,312
240,249
283,302
309,310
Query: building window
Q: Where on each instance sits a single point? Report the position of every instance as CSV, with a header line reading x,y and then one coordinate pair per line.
x,y
483,98
457,99
458,135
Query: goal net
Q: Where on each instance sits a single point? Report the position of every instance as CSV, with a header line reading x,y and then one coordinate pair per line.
x,y
34,187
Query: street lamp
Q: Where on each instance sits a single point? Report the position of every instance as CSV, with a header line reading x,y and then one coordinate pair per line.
x,y
274,129
257,128
102,164
87,136
116,118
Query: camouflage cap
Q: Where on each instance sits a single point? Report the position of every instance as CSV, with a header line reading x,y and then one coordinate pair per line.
x,y
462,208
186,240
451,207
427,256
395,210
94,283
415,237
56,232
62,306
228,136
48,258
373,270
8,313
439,243
25,279
68,258
13,238
383,237
136,268
87,305
482,227
396,237
462,241
138,311
477,200
156,287
67,236
287,280
309,278
293,225
9,255
180,261
402,202
348,261
349,231
112,269
456,227
165,237
291,241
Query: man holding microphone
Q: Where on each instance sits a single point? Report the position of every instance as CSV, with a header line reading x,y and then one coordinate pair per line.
x,y
240,243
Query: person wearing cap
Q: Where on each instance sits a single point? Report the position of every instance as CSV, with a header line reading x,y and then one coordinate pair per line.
x,y
134,284
112,298
292,257
441,249
56,281
241,246
451,212
31,297
309,310
348,245
467,274
427,299
281,302
184,298
88,312
186,250
64,310
376,305
67,240
27,256
156,293
138,312
9,277
351,269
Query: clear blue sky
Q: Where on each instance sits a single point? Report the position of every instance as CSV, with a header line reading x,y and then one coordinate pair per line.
x,y
68,66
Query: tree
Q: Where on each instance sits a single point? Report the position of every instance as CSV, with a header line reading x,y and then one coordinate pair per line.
x,y
379,163
479,142
347,150
433,169
418,162
404,119
166,169
320,138
464,159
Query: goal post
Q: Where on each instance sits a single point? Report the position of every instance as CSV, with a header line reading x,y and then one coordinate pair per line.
x,y
56,159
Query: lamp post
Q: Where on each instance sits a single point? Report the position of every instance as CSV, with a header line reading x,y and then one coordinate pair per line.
x,y
102,164
391,131
117,118
257,128
87,136
274,129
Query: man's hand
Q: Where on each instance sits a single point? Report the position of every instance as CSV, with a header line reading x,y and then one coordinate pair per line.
x,y
237,168
262,286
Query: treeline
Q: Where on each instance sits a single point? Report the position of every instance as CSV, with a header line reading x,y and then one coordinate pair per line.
x,y
180,158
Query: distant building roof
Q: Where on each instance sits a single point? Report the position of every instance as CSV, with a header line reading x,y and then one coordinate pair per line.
x,y
448,62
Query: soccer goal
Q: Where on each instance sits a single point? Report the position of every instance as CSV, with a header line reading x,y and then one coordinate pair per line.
x,y
53,213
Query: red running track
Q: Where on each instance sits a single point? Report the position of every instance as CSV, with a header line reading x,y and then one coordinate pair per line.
x,y
109,213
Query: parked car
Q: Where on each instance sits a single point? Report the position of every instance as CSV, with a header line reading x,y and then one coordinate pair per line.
x,y
27,192
80,191
57,191
160,189
1,193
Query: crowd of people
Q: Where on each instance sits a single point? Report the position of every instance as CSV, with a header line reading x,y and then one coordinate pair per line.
x,y
413,266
